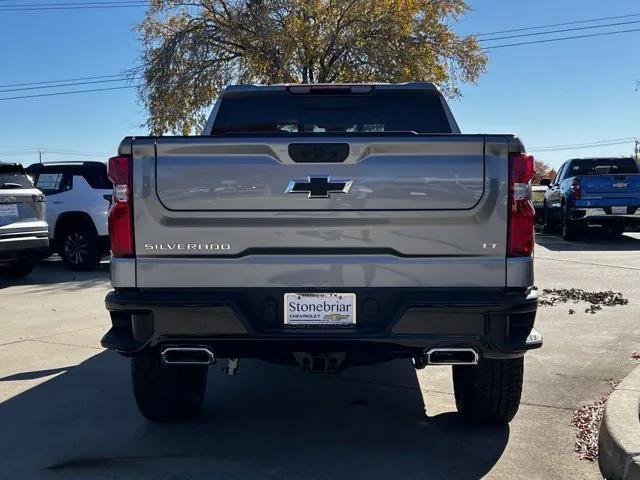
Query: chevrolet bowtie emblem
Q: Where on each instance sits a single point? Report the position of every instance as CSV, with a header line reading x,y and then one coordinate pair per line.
x,y
319,187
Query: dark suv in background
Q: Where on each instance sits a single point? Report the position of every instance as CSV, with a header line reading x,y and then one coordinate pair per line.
x,y
24,233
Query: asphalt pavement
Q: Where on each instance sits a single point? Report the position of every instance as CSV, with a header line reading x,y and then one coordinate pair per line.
x,y
67,411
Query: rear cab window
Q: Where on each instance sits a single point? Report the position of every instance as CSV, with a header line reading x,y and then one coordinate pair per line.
x,y
603,166
285,113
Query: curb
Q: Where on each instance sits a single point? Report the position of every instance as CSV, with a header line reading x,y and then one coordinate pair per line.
x,y
619,439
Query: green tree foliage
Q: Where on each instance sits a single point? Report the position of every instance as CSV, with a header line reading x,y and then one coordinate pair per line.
x,y
192,49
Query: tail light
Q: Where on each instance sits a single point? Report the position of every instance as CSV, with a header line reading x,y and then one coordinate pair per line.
x,y
121,211
576,189
521,212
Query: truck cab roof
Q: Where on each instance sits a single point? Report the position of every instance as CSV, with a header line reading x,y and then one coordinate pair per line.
x,y
362,87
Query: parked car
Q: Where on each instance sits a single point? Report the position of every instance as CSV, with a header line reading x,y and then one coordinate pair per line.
x,y
537,198
593,191
344,246
24,233
78,197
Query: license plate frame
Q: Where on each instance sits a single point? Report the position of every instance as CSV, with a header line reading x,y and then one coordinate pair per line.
x,y
8,210
618,210
324,309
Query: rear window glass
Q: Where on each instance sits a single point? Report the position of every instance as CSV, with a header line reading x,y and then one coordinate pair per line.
x,y
285,113
49,181
603,166
10,180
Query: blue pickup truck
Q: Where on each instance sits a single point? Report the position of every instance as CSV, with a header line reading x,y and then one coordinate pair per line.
x,y
593,191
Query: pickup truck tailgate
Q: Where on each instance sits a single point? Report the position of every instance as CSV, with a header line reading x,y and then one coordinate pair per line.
x,y
610,186
421,210
439,174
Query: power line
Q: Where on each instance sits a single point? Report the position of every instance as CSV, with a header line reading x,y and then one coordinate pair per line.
x,y
68,93
63,80
89,7
623,139
600,144
62,85
121,77
586,147
11,8
78,3
75,153
19,2
52,151
19,152
603,145
574,22
561,39
559,31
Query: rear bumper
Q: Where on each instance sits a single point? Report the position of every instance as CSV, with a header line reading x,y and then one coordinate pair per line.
x,y
391,322
23,245
604,215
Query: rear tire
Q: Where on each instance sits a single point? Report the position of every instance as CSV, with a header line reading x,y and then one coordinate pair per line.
x,y
490,391
19,269
167,393
569,230
79,247
549,224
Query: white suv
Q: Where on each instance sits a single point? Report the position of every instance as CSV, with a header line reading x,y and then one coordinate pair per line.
x,y
78,198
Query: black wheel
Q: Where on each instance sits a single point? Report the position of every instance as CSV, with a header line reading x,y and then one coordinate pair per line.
x,y
490,391
19,269
79,247
549,224
167,393
569,230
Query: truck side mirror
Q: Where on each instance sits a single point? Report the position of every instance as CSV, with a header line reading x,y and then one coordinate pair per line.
x,y
545,182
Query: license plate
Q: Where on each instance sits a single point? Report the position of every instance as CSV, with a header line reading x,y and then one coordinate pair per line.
x,y
319,308
619,210
9,210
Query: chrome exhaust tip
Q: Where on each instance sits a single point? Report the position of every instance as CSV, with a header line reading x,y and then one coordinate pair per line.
x,y
452,356
187,356
534,339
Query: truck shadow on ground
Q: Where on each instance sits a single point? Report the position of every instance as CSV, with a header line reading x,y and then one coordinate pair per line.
x,y
591,240
269,422
52,273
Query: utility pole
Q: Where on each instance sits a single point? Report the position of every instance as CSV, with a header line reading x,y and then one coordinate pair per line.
x,y
40,155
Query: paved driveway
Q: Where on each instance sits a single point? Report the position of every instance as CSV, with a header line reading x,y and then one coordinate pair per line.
x,y
66,408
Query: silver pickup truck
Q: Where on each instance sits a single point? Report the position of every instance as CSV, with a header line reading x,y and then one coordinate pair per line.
x,y
324,226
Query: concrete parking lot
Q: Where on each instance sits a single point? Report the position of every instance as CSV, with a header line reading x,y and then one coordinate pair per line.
x,y
67,411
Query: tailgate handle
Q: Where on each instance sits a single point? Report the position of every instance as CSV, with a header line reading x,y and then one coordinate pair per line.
x,y
318,152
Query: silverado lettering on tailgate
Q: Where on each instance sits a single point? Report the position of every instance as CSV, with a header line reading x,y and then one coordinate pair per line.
x,y
187,246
